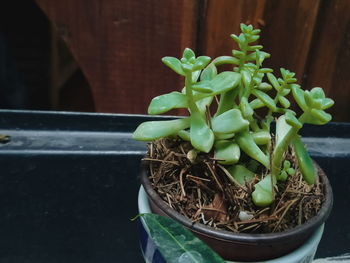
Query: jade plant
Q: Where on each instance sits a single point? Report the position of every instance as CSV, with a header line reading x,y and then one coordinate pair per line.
x,y
236,127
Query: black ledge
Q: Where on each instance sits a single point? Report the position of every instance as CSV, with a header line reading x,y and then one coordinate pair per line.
x,y
69,184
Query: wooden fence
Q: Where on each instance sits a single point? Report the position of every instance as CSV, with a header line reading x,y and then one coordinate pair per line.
x,y
119,44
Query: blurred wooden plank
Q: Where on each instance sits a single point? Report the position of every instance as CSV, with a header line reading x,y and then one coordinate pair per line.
x,y
222,18
329,65
287,34
119,45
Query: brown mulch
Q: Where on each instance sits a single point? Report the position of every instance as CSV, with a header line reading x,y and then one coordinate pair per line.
x,y
203,192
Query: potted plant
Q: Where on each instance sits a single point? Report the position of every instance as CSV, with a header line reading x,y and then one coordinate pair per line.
x,y
246,187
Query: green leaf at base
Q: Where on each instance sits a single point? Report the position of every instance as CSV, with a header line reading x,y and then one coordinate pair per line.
x,y
263,193
152,130
305,162
202,137
177,244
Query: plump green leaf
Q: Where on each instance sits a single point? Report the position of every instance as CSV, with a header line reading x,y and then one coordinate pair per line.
x,y
263,193
204,103
266,99
321,116
202,137
201,62
292,120
202,86
188,53
177,244
264,86
305,162
256,104
261,137
221,83
184,135
327,103
317,93
209,72
273,81
166,102
298,95
240,173
227,152
246,109
230,121
282,128
284,102
246,77
225,60
174,64
246,143
152,130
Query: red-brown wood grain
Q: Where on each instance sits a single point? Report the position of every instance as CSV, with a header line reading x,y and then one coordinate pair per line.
x,y
222,18
119,46
287,34
329,62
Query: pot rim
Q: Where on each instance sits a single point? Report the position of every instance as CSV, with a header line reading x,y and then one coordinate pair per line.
x,y
228,236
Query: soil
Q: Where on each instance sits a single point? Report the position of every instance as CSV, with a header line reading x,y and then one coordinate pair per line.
x,y
202,191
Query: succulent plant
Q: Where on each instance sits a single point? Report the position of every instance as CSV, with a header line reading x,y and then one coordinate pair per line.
x,y
236,126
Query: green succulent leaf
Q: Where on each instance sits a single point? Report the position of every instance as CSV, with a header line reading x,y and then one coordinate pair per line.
x,y
188,54
263,193
284,102
264,86
292,120
204,103
298,95
202,137
227,152
184,135
273,81
225,60
152,130
209,72
247,144
327,103
241,173
305,162
166,102
266,99
256,104
230,121
321,116
262,137
201,62
177,244
221,83
246,109
202,86
247,78
174,64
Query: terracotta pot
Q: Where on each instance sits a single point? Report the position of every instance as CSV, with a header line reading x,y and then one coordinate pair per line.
x,y
241,246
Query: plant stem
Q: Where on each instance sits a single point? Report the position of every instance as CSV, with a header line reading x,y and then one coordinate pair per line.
x,y
188,84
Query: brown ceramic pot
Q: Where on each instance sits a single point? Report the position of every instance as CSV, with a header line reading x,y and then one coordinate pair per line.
x,y
245,247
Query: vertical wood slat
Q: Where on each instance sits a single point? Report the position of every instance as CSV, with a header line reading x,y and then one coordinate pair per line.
x,y
287,34
119,46
329,65
222,18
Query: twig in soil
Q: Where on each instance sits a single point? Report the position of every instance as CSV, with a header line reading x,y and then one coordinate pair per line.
x,y
182,184
197,178
169,201
162,161
291,202
214,175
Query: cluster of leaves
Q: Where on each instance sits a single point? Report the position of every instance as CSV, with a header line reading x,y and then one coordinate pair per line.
x,y
236,127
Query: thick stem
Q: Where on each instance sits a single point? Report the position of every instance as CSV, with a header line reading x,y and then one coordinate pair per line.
x,y
189,93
